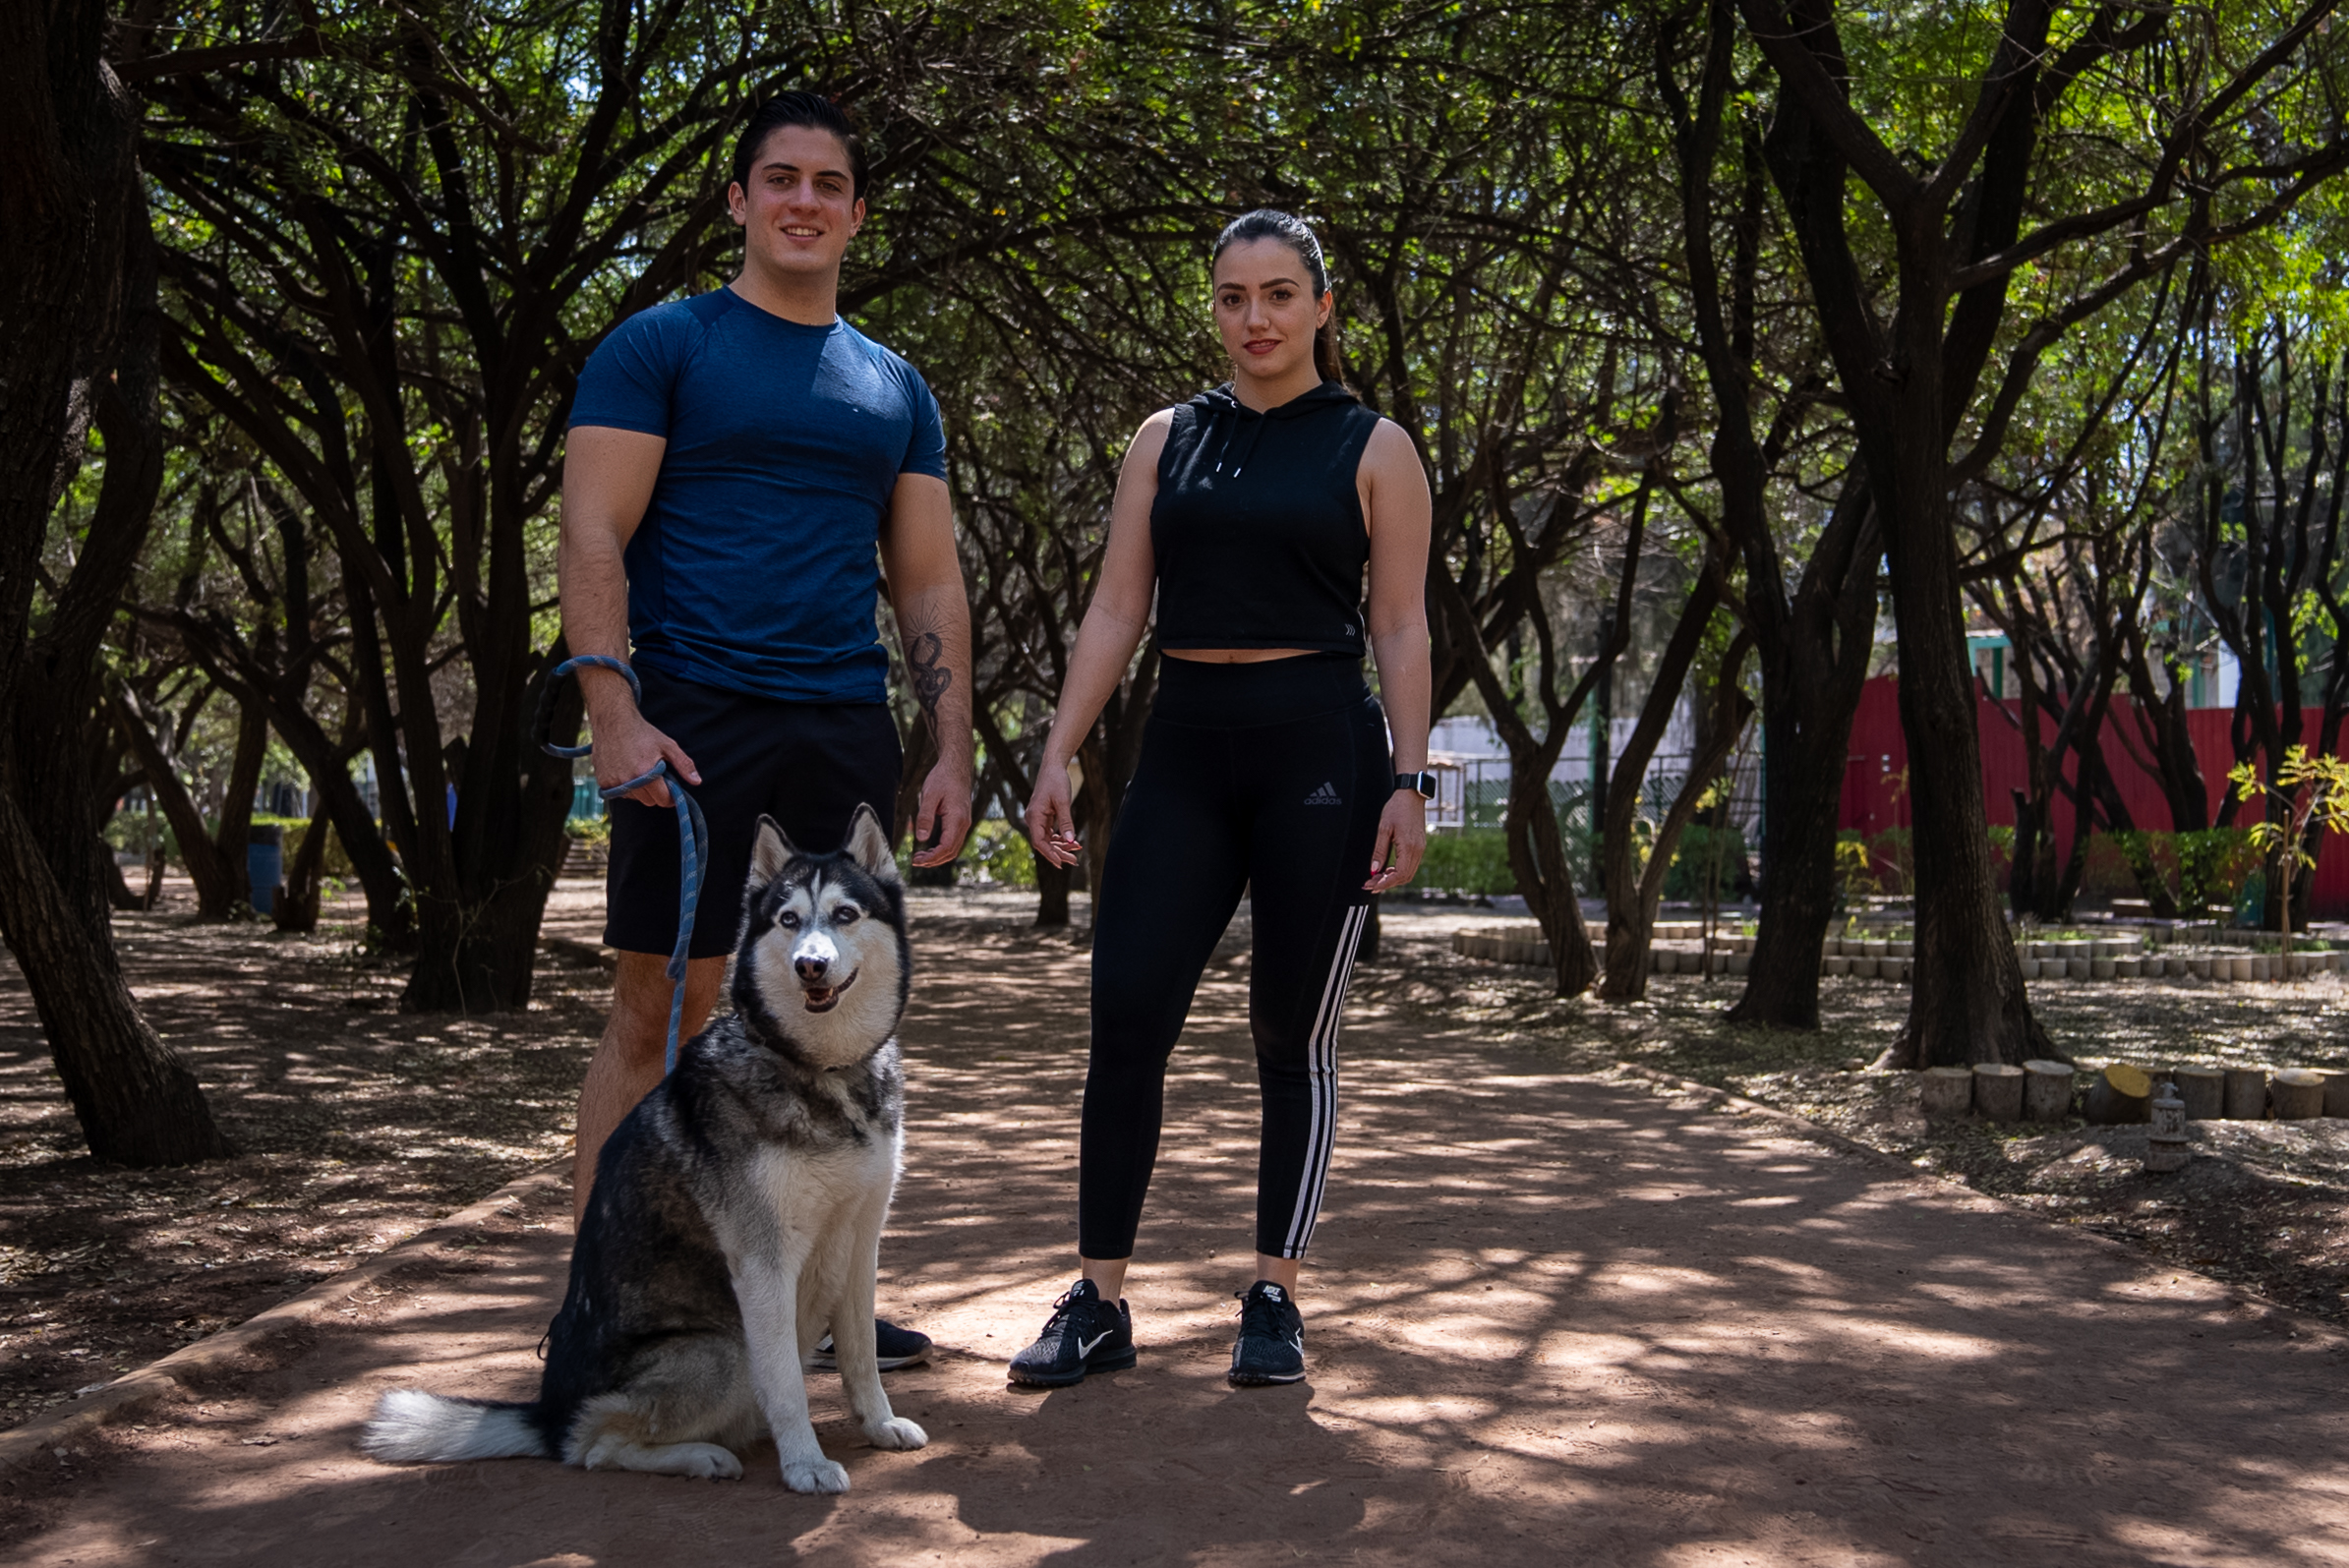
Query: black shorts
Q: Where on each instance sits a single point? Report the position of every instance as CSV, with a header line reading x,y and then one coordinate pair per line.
x,y
805,764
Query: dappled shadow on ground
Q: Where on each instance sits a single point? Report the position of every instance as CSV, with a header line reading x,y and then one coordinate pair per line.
x,y
356,1127
1552,1318
2261,1208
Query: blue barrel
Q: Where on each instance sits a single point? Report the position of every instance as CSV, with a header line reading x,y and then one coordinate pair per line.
x,y
264,864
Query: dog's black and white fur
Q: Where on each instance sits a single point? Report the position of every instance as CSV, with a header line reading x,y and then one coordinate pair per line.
x,y
737,1213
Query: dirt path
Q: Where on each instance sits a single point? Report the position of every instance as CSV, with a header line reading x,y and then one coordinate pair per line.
x,y
1554,1318
357,1126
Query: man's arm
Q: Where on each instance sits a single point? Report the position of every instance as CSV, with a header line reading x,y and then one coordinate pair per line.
x,y
608,478
933,617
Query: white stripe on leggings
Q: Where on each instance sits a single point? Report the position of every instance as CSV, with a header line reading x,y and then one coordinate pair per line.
x,y
1321,1071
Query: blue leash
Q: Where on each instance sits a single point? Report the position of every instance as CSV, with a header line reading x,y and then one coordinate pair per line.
x,y
693,832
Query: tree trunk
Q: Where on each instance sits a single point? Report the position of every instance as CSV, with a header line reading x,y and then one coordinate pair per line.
x,y
1051,882
235,834
1630,912
1638,921
1814,661
1968,1003
137,1100
297,905
76,270
216,884
479,956
389,916
1538,858
1905,385
1052,894
1812,642
119,895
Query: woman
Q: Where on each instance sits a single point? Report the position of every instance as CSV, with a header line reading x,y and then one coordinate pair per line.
x,y
1252,511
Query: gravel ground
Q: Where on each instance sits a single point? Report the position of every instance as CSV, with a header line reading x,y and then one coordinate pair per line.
x,y
360,1126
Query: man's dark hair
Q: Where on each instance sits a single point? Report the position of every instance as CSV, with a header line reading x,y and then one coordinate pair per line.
x,y
811,109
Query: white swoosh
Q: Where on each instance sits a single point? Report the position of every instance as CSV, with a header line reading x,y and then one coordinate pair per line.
x,y
1085,1347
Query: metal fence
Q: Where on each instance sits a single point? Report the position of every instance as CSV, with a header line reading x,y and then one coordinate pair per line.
x,y
1474,793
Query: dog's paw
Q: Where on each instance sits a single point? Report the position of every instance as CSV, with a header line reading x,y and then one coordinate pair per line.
x,y
707,1462
896,1432
814,1476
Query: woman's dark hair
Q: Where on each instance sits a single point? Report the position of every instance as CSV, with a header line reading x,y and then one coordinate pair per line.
x,y
810,109
1267,224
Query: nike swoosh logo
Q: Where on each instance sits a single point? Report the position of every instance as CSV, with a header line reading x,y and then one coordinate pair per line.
x,y
1085,1346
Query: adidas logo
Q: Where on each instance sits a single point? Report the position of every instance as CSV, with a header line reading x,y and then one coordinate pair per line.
x,y
1326,795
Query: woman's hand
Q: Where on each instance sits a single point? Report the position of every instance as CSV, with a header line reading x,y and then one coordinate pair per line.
x,y
1402,840
1052,817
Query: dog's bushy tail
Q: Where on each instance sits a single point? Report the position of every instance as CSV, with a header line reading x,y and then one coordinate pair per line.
x,y
411,1427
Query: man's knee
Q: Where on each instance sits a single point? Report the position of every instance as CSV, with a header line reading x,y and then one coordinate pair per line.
x,y
640,998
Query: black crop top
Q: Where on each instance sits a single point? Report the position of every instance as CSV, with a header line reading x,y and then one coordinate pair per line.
x,y
1258,527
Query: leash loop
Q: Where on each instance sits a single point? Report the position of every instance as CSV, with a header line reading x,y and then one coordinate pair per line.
x,y
692,831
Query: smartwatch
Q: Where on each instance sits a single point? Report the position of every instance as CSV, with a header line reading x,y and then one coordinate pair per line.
x,y
1421,785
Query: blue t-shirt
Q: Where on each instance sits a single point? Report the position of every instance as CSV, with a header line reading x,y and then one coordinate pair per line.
x,y
755,569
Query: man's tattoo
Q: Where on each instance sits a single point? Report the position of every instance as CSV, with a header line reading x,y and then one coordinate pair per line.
x,y
926,654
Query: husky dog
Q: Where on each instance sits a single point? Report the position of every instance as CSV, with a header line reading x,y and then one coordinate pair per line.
x,y
737,1212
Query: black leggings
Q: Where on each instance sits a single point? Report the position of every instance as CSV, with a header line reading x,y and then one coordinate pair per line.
x,y
1269,777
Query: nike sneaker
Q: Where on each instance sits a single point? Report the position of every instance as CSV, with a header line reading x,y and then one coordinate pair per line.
x,y
898,1347
1086,1334
1271,1348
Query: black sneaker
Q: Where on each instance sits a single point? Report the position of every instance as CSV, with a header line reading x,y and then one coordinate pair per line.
x,y
1086,1334
1271,1348
898,1347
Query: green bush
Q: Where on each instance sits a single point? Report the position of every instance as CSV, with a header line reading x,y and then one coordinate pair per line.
x,y
1472,861
2211,866
1692,861
1854,870
1000,854
2002,850
137,832
1892,853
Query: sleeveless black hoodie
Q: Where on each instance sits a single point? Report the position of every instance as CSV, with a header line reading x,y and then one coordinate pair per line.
x,y
1257,528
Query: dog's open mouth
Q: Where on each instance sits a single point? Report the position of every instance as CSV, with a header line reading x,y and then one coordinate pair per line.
x,y
824,998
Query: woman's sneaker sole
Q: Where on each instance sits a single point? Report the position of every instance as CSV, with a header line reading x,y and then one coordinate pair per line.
x,y
1260,1380
1115,1362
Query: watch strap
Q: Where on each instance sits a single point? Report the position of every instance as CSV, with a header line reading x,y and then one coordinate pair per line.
x,y
1422,783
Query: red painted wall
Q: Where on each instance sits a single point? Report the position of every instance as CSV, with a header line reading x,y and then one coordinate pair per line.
x,y
1874,777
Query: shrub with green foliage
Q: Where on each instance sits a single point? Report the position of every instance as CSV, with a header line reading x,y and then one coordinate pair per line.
x,y
1472,861
1000,855
2206,869
1693,863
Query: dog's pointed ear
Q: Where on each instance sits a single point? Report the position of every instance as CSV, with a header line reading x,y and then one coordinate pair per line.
x,y
770,852
868,844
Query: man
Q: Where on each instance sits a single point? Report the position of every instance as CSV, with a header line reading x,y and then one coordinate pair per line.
x,y
734,462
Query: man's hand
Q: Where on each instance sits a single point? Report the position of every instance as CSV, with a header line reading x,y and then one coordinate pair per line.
x,y
626,747
944,814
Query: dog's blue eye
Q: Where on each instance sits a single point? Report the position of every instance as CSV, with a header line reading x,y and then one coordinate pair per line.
x,y
843,914
788,918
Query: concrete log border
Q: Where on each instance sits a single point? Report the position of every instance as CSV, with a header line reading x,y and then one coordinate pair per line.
x,y
2259,1306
